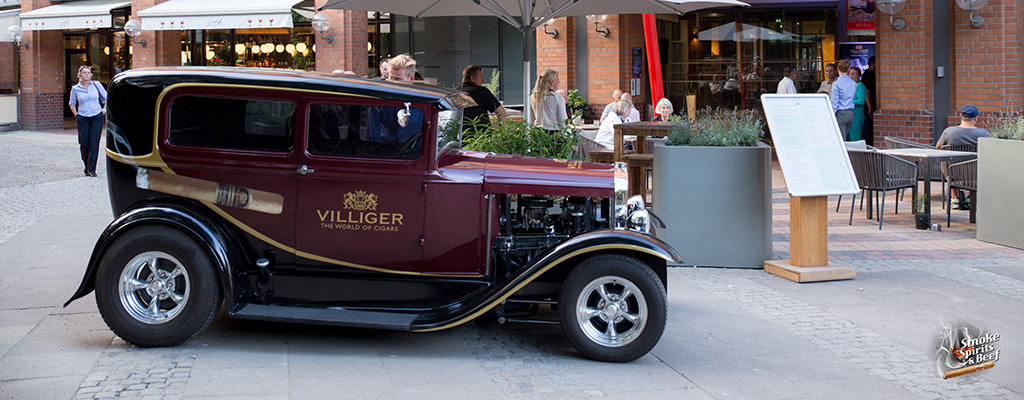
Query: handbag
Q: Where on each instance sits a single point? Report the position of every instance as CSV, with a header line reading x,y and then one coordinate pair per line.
x,y
102,100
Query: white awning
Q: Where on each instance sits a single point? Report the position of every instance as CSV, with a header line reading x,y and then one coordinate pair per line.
x,y
72,15
220,14
8,18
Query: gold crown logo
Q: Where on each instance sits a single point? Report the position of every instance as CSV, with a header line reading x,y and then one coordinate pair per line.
x,y
360,201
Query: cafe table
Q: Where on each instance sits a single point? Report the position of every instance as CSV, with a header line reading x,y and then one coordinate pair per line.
x,y
641,130
923,158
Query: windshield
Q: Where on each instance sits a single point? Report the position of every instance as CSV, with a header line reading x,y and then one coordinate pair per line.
x,y
449,130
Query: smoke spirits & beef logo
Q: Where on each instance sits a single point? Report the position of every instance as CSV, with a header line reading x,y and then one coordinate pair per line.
x,y
360,214
965,348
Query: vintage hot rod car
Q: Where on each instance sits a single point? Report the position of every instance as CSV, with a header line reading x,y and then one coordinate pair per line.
x,y
316,198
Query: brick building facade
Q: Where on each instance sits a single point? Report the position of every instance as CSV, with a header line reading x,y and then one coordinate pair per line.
x,y
983,69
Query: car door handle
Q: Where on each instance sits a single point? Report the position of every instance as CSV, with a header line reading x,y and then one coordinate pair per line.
x,y
304,170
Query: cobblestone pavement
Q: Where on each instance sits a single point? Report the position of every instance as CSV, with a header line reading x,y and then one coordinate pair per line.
x,y
731,333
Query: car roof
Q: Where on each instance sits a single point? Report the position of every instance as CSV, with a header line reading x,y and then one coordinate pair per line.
x,y
444,98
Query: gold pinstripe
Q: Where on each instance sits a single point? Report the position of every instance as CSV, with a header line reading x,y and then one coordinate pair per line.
x,y
539,273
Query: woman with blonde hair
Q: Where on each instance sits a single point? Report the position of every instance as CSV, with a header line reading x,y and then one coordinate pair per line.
x,y
619,115
548,107
663,110
88,101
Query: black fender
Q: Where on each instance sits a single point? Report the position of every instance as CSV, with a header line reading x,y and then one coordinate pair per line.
x,y
195,224
567,253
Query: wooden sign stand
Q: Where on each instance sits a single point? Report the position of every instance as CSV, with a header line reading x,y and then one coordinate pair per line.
x,y
808,245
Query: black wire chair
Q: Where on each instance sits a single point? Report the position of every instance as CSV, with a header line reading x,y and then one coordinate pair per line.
x,y
964,176
880,172
944,166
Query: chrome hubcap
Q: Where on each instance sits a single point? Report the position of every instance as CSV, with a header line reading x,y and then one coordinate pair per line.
x,y
154,287
611,311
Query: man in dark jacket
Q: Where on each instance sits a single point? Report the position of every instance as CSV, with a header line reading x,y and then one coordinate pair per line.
x,y
472,79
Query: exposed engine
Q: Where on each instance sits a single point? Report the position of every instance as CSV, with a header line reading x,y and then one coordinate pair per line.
x,y
528,225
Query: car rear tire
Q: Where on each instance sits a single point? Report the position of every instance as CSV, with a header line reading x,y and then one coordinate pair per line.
x,y
613,308
157,287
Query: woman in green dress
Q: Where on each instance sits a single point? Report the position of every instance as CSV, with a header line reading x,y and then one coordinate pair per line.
x,y
857,128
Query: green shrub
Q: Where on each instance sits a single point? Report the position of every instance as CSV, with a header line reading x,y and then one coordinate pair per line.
x,y
494,83
523,138
718,128
1008,127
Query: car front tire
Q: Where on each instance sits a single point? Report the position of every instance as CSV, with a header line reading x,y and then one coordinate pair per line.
x,y
613,308
156,286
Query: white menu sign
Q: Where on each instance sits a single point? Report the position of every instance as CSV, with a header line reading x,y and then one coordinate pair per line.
x,y
810,148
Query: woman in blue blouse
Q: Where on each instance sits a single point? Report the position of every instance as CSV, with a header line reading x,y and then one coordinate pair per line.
x,y
857,128
88,99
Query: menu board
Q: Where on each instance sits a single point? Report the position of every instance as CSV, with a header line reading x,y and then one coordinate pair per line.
x,y
810,148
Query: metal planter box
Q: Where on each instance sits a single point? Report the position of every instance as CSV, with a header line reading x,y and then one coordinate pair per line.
x,y
717,203
1000,217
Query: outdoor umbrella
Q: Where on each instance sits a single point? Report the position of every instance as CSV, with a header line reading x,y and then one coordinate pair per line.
x,y
727,32
526,15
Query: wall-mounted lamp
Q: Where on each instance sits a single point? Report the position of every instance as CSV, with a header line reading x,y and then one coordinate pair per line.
x,y
554,32
322,25
133,28
597,19
973,5
892,7
15,33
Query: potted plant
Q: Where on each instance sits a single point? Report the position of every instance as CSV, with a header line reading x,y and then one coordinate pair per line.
x,y
579,107
1000,219
922,219
712,187
691,100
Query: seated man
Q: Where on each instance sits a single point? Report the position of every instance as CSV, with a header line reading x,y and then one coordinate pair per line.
x,y
965,134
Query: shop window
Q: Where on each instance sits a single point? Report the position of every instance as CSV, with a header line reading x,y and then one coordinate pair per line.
x,y
232,123
365,131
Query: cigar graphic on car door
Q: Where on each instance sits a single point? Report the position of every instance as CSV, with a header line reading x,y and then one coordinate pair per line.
x,y
213,192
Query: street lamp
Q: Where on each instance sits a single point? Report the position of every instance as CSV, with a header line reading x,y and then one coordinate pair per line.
x,y
554,32
133,29
892,7
971,6
15,33
597,19
322,25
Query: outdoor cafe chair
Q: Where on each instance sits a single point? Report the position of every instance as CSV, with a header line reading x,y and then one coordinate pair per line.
x,y
944,166
856,145
592,150
880,172
964,176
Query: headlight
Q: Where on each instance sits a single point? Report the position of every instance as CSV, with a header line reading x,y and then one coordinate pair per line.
x,y
640,221
624,215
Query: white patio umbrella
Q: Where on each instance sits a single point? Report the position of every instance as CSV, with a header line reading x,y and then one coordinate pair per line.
x,y
727,32
533,13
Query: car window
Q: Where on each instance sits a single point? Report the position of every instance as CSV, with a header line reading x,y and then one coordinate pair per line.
x,y
232,123
350,130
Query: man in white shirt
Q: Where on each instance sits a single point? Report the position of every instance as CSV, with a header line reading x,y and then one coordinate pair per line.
x,y
787,86
616,95
830,76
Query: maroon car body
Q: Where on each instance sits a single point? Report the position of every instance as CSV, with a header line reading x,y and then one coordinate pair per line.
x,y
315,198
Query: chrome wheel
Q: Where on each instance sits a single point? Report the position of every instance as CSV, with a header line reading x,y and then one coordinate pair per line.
x,y
611,311
154,287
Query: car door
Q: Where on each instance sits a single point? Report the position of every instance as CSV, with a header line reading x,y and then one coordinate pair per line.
x,y
361,185
235,150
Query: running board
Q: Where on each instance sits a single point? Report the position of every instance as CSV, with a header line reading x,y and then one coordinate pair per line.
x,y
327,316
